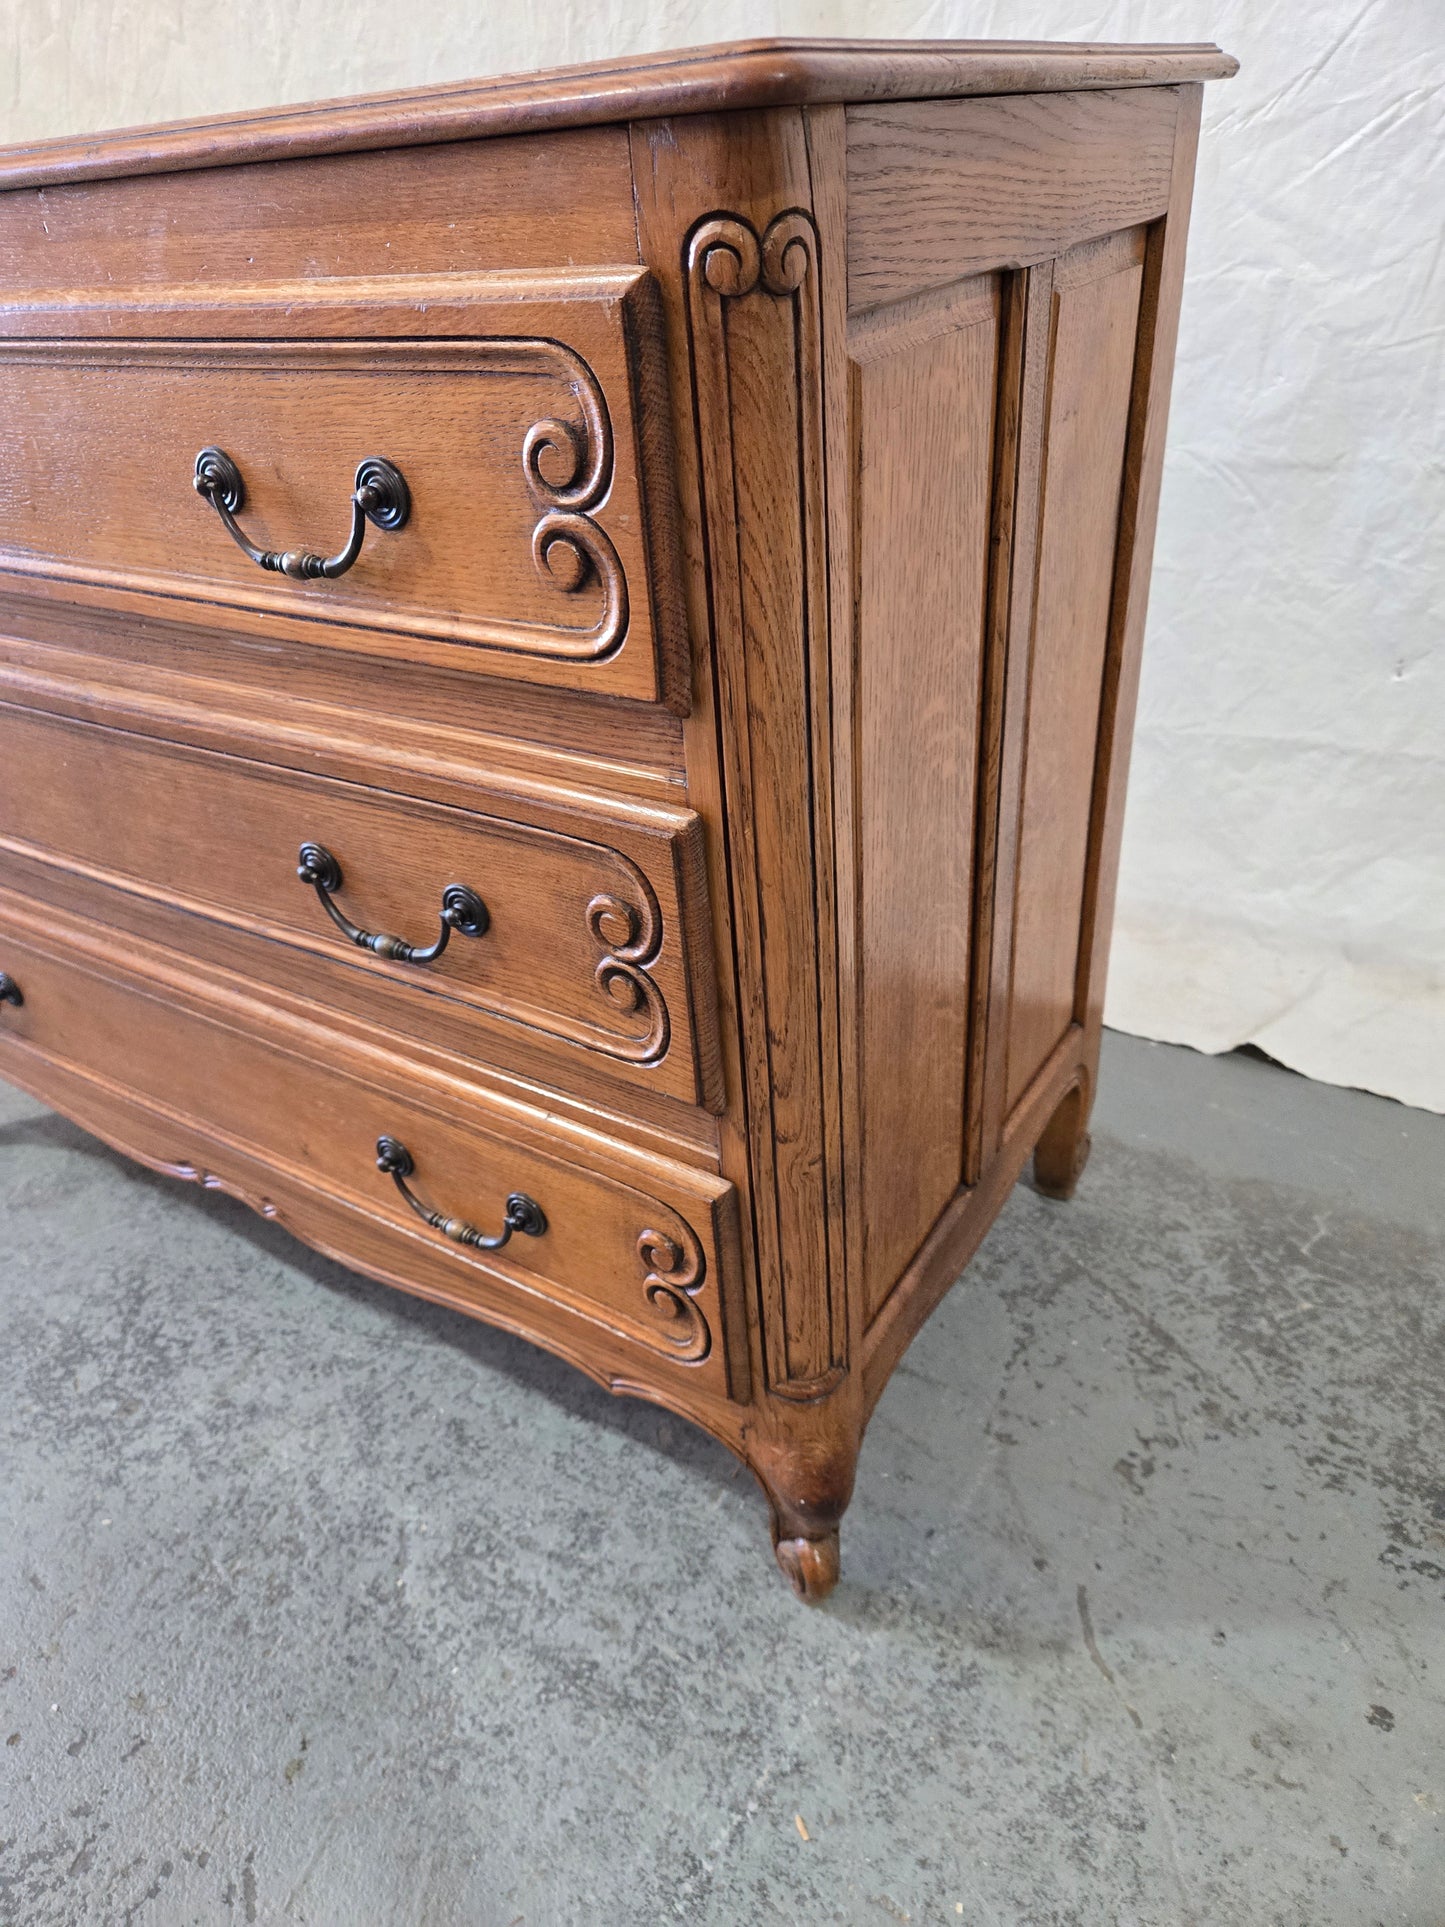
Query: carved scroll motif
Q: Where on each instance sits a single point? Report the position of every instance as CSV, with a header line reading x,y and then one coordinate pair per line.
x,y
755,331
567,465
675,1273
674,1263
569,472
732,260
630,936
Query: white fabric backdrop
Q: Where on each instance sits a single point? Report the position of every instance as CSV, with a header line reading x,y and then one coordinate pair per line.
x,y
1284,863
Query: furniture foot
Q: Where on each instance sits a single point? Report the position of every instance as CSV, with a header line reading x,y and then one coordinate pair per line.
x,y
808,1483
1062,1152
809,1565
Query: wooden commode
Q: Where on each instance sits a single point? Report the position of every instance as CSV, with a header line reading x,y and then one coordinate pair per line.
x,y
567,655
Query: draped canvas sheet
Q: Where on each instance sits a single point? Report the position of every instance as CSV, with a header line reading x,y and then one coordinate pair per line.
x,y
1283,878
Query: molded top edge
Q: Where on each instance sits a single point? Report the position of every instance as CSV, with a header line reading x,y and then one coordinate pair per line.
x,y
737,74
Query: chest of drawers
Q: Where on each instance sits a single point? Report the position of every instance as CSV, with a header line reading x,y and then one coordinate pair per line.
x,y
567,650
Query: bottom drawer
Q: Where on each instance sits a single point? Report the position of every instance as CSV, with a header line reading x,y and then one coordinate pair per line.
x,y
611,1257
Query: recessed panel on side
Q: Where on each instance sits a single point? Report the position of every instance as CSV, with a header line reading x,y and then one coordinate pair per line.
x,y
924,382
1095,314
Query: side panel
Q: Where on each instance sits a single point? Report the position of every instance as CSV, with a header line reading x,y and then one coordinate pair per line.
x,y
942,188
1050,1115
924,389
1095,314
1075,210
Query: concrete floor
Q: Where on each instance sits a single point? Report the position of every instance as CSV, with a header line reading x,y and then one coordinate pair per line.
x,y
320,1605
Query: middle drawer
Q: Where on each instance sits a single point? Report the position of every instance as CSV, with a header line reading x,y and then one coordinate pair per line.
x,y
561,925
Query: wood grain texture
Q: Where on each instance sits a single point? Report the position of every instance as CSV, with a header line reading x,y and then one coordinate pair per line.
x,y
460,208
584,947
1091,373
924,392
751,306
963,1226
741,221
698,80
942,189
636,1249
865,862
1016,525
539,545
434,731
1066,1140
332,1225
826,135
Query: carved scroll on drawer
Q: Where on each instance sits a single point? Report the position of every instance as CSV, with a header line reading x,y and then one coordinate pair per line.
x,y
589,937
538,539
625,1251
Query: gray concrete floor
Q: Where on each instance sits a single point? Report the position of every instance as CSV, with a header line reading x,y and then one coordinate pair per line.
x,y
321,1605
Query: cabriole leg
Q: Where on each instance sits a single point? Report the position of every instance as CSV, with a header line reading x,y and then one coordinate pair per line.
x,y
808,1485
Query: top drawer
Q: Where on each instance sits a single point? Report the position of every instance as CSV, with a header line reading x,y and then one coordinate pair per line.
x,y
534,536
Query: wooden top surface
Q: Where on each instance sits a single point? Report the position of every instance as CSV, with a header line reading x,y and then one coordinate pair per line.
x,y
747,73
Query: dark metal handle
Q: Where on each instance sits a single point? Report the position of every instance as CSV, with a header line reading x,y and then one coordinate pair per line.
x,y
380,496
10,990
462,909
524,1214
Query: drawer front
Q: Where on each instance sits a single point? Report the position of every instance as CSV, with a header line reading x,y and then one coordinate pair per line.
x,y
638,1251
587,933
531,535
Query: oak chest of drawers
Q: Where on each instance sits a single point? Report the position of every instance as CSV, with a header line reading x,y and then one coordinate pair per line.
x,y
567,650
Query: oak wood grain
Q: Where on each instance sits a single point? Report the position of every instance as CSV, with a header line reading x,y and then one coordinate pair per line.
x,y
747,239
435,731
885,551
942,189
961,1229
584,944
1008,452
635,1246
750,303
698,80
455,208
539,541
1016,511
924,391
1065,1142
1091,372
826,134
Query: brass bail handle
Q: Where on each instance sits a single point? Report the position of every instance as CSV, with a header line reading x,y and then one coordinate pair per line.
x,y
380,496
523,1214
462,910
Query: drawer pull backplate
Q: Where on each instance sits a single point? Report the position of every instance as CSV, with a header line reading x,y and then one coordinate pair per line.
x,y
380,495
524,1214
462,909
